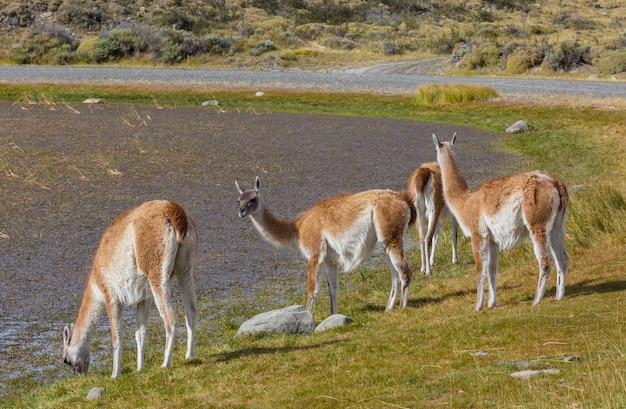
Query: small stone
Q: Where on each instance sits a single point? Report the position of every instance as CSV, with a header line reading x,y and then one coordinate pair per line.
x,y
95,393
334,321
210,103
528,373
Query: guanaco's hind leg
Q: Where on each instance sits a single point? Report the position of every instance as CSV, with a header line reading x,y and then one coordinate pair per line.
x,y
142,315
332,277
421,230
401,275
162,299
543,253
312,281
432,237
481,254
453,238
494,253
184,272
557,240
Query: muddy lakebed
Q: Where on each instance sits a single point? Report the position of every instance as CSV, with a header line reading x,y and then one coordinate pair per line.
x,y
67,171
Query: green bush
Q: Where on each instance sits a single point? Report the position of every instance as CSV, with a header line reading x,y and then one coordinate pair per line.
x,y
567,55
522,59
46,45
483,56
310,31
171,52
129,40
86,48
611,62
340,43
262,47
87,15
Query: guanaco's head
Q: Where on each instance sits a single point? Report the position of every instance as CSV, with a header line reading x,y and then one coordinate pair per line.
x,y
439,146
249,200
73,355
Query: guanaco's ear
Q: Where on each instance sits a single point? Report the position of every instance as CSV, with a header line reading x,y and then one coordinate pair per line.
x,y
257,184
67,335
239,189
436,141
453,139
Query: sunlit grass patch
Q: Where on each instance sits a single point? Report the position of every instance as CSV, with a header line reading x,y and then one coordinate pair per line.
x,y
597,217
443,94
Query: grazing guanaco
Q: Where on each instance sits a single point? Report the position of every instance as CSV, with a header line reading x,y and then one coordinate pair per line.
x,y
138,256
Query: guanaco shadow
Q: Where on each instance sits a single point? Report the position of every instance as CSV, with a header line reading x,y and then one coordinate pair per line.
x,y
591,286
426,300
257,351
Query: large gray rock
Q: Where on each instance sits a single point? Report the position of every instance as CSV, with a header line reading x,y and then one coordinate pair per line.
x,y
290,320
334,321
517,127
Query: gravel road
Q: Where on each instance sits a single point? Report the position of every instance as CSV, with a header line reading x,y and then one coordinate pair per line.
x,y
399,78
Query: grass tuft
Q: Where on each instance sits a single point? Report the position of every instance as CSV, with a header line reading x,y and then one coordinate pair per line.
x,y
597,218
445,94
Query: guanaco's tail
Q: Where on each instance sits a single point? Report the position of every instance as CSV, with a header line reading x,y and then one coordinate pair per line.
x,y
176,215
560,187
418,180
408,198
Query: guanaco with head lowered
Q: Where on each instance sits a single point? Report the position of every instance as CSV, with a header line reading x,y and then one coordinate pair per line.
x,y
426,189
139,254
339,233
502,213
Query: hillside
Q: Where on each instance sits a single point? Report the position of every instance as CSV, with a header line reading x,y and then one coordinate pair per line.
x,y
512,37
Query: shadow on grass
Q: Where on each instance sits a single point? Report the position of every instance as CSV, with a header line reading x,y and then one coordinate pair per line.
x,y
421,301
587,287
229,356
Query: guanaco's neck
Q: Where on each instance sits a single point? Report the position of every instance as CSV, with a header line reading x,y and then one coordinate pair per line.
x,y
89,314
279,232
454,184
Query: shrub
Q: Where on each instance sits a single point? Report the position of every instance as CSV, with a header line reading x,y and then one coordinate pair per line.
x,y
129,40
340,43
391,48
567,55
171,52
86,48
46,45
16,15
522,59
310,31
486,55
611,62
336,12
443,94
262,47
87,15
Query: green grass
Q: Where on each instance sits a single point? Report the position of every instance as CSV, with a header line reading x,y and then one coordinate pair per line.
x,y
424,356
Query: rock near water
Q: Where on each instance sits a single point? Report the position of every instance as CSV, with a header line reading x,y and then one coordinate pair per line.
x,y
290,320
